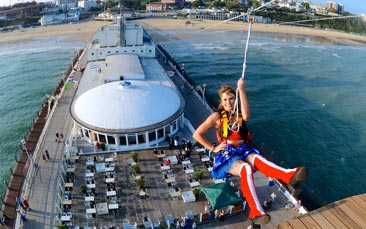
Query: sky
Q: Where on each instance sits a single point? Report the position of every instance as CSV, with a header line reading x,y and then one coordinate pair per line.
x,y
352,6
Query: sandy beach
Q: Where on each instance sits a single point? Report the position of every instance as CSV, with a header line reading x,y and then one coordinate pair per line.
x,y
83,31
282,31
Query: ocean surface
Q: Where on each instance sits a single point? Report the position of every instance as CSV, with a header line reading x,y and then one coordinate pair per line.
x,y
28,71
307,98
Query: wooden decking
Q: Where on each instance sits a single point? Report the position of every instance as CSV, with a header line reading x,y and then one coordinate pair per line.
x,y
346,213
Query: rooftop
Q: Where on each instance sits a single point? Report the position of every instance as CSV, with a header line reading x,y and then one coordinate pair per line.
x,y
126,105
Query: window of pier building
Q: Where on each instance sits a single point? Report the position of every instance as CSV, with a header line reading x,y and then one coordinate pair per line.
x,y
123,140
86,133
175,125
167,130
111,139
95,136
161,133
152,136
132,139
141,138
102,138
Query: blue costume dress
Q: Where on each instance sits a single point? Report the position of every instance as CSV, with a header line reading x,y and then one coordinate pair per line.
x,y
225,159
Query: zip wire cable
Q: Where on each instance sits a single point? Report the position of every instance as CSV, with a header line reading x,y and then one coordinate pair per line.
x,y
235,125
233,18
250,20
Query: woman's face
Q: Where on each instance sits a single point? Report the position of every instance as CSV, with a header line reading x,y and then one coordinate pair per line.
x,y
227,101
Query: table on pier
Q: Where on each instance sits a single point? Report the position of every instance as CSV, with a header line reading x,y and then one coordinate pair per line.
x,y
89,198
91,210
173,159
165,167
186,162
109,180
66,202
194,184
217,181
188,197
175,194
70,168
65,218
100,167
91,186
189,171
68,185
112,206
109,159
89,174
205,159
161,156
102,208
170,180
111,193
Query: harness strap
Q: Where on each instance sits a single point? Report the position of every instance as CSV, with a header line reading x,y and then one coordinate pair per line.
x,y
225,123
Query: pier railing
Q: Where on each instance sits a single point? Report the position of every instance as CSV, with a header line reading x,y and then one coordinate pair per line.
x,y
34,155
171,62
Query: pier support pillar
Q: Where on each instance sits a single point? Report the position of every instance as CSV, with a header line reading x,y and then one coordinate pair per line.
x,y
11,171
16,159
2,200
7,184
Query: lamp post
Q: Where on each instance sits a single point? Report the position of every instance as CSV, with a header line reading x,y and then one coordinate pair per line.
x,y
24,148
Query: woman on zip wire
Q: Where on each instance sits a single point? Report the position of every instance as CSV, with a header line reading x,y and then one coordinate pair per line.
x,y
236,156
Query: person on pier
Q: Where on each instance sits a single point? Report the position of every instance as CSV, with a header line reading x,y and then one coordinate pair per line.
x,y
235,153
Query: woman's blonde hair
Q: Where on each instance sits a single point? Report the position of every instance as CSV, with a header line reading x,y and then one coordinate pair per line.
x,y
224,89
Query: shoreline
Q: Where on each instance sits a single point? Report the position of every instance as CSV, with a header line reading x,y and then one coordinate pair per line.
x,y
83,31
314,35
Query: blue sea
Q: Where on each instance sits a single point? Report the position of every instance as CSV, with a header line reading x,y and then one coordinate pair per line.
x,y
307,98
28,71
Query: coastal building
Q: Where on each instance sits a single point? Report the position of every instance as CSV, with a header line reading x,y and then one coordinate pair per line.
x,y
126,100
87,4
65,4
334,7
54,19
173,3
331,5
155,6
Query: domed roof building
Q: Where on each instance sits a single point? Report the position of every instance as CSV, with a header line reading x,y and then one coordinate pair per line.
x,y
125,98
126,106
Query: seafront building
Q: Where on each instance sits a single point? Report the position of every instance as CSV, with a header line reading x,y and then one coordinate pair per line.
x,y
124,99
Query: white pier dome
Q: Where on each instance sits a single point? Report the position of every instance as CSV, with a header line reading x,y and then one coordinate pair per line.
x,y
127,105
128,113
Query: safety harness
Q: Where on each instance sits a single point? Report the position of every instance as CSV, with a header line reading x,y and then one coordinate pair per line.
x,y
242,127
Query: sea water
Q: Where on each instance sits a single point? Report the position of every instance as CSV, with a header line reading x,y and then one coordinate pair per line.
x,y
307,99
28,71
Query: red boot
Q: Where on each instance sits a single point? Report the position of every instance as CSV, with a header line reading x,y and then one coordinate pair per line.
x,y
270,169
256,214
